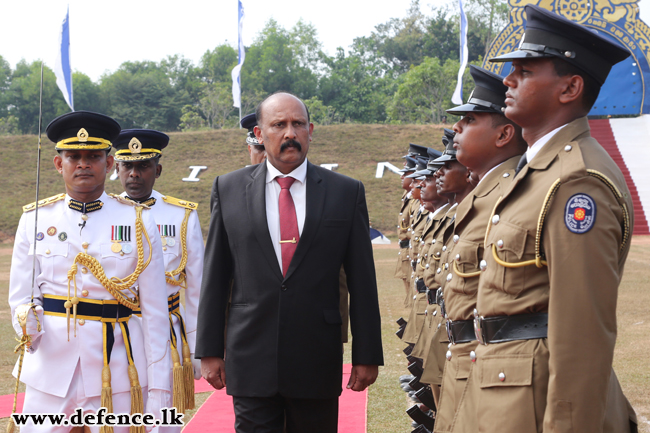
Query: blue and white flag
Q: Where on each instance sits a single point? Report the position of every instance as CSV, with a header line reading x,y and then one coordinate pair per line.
x,y
236,75
62,68
457,98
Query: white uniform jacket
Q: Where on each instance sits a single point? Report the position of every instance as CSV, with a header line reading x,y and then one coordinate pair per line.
x,y
172,216
51,367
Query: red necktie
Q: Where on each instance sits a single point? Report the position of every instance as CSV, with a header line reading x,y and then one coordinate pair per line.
x,y
289,234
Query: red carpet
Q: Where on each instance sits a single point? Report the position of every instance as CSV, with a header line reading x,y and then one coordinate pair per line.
x,y
216,415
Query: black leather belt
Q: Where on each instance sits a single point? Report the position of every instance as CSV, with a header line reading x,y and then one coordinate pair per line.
x,y
460,331
510,328
404,243
434,296
419,284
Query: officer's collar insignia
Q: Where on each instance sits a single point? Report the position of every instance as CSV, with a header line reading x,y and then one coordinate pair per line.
x,y
85,207
148,202
580,213
135,146
82,135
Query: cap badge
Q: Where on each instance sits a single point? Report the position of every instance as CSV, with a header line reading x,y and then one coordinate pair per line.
x,y
135,146
82,135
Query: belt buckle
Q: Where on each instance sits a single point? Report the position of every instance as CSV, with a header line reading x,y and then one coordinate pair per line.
x,y
478,330
439,296
449,333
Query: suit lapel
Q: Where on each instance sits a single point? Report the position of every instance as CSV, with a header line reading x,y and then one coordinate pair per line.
x,y
315,199
256,205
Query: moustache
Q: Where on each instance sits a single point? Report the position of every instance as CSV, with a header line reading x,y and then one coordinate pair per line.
x,y
290,143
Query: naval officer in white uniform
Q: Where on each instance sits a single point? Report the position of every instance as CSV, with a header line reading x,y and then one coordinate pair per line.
x,y
98,257
138,153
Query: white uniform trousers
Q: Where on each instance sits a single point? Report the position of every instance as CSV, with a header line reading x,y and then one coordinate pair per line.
x,y
40,402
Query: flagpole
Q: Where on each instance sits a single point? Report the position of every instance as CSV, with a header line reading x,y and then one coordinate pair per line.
x,y
236,71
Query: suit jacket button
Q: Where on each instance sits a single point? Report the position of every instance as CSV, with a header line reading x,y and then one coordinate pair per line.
x,y
284,288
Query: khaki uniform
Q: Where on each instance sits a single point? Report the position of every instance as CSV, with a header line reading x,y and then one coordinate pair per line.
x,y
419,303
426,271
460,285
403,270
563,383
434,361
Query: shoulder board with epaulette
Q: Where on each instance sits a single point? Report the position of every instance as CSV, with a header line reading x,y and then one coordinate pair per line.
x,y
44,202
178,202
125,201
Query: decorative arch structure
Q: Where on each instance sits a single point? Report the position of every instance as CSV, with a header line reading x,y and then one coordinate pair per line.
x,y
627,89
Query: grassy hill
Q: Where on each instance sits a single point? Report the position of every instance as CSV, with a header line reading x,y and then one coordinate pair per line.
x,y
355,148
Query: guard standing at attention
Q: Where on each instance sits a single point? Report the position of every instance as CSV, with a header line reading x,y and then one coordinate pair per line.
x,y
255,149
138,153
555,247
403,270
98,258
489,145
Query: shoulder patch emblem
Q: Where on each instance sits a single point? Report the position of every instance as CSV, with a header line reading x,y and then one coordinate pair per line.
x,y
580,213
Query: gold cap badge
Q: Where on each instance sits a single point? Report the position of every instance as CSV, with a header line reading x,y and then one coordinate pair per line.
x,y
82,135
134,145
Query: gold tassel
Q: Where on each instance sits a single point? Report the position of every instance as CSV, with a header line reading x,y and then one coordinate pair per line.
x,y
179,396
188,374
107,397
137,403
11,426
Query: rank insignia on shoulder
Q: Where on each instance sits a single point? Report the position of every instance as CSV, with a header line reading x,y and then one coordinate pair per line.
x,y
580,213
44,202
178,202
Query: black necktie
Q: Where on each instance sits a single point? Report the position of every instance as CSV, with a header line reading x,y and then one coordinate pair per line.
x,y
523,161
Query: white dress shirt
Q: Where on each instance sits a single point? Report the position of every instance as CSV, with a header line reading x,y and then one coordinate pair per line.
x,y
537,146
298,194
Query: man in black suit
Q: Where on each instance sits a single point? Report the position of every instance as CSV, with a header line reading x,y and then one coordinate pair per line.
x,y
276,251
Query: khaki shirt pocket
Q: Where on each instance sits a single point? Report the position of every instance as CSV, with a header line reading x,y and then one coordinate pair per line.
x,y
509,240
506,394
465,258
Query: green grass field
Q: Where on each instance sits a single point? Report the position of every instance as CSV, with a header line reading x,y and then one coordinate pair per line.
x,y
386,401
355,148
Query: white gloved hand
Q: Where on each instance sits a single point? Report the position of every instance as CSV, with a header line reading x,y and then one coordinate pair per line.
x,y
196,366
156,400
32,325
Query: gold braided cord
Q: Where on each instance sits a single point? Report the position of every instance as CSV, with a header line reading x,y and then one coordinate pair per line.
x,y
180,271
626,221
465,274
536,261
78,141
115,285
25,341
540,222
128,151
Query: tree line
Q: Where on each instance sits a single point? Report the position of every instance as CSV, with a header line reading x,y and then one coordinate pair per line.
x,y
403,72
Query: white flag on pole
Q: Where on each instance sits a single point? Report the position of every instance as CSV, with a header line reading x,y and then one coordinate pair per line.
x,y
236,75
457,98
62,68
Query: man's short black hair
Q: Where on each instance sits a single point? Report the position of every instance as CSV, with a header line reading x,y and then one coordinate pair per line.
x,y
258,110
499,120
591,88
